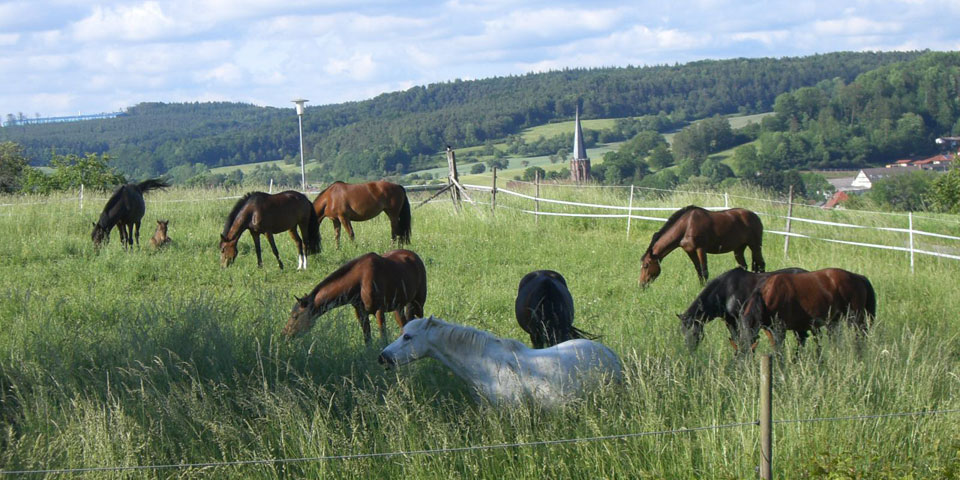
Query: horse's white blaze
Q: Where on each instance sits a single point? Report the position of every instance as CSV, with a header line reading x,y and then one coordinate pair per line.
x,y
505,371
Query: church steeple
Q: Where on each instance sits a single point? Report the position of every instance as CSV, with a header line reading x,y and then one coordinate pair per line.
x,y
579,164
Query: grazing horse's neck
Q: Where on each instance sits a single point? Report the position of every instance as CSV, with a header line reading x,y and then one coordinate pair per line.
x,y
333,293
669,239
237,227
470,362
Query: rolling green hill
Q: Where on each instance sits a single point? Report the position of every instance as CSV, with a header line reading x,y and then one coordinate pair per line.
x,y
400,131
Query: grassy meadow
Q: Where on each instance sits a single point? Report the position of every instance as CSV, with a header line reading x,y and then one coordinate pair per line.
x,y
143,358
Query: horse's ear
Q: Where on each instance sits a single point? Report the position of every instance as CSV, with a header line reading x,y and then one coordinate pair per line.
x,y
680,316
223,238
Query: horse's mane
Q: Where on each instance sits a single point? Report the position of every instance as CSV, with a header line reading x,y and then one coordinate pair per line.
x,y
670,221
336,275
236,209
470,338
328,187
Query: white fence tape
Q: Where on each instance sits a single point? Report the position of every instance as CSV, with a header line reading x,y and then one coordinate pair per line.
x,y
776,232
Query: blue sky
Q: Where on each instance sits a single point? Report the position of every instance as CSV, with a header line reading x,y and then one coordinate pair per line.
x,y
61,57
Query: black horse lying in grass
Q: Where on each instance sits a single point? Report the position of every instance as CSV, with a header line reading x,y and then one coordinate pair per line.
x,y
544,309
723,297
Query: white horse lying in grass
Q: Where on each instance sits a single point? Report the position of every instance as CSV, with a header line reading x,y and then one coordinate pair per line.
x,y
505,371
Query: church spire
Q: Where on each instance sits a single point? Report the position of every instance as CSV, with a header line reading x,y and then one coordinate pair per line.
x,y
579,164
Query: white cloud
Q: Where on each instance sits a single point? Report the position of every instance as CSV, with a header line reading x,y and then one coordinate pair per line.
x,y
132,23
855,26
360,66
8,39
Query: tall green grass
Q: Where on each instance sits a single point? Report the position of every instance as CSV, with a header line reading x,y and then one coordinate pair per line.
x,y
135,358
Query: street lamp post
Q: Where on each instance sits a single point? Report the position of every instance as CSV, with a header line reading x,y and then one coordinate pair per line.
x,y
303,172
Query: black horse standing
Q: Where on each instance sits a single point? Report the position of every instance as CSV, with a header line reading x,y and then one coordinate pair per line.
x,y
723,297
124,210
544,309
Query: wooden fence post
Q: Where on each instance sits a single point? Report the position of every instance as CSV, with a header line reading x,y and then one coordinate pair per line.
x,y
726,200
786,238
271,186
493,193
453,177
81,197
910,216
766,419
629,210
537,196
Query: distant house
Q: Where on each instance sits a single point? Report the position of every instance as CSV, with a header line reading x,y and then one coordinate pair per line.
x,y
900,163
836,199
936,162
867,176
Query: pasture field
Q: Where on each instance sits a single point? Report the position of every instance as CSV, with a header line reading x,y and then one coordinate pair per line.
x,y
146,358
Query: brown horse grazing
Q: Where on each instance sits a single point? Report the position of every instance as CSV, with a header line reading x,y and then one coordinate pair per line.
x,y
160,238
268,214
544,309
124,210
722,297
806,302
698,232
344,202
396,281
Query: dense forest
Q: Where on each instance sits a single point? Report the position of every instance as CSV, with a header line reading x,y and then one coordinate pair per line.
x,y
400,131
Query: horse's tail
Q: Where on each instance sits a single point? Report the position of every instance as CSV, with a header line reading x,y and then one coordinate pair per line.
x,y
312,235
870,305
403,221
152,184
577,333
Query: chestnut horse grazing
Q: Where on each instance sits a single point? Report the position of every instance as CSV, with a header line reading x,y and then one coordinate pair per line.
x,y
160,238
263,213
723,297
805,302
344,202
544,309
698,232
504,371
124,210
396,281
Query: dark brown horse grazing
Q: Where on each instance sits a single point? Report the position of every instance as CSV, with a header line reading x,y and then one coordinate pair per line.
x,y
698,232
160,238
124,210
723,297
263,213
396,281
806,302
344,202
544,309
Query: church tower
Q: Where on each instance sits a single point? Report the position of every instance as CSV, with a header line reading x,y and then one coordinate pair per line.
x,y
579,164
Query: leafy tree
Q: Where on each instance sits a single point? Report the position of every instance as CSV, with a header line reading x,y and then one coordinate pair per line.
x,y
478,168
70,171
715,171
660,157
664,179
908,192
530,174
745,160
944,194
12,166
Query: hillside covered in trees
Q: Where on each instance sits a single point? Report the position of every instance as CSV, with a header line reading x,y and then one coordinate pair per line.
x,y
397,132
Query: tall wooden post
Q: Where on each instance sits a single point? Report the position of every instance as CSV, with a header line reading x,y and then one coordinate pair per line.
x,y
493,193
910,216
766,419
629,210
537,198
786,239
453,178
81,197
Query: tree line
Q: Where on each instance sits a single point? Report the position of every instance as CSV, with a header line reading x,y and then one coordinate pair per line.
x,y
402,131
